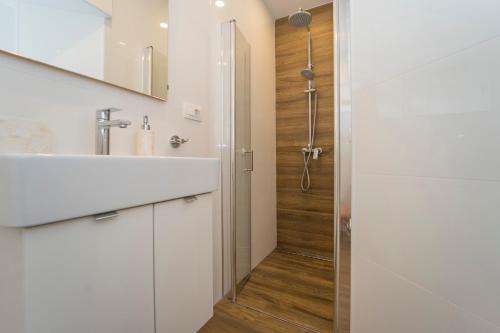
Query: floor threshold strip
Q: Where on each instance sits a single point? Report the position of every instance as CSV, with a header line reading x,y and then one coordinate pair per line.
x,y
305,255
292,323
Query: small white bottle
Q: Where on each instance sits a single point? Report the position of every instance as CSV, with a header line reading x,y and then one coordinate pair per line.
x,y
144,143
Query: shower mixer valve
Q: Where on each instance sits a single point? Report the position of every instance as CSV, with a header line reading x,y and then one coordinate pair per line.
x,y
314,151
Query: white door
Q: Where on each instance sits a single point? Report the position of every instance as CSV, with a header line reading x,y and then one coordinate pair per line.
x,y
85,276
183,264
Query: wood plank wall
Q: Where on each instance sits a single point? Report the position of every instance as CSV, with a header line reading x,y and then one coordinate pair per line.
x,y
305,220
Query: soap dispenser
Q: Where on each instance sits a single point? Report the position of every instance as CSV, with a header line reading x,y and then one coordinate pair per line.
x,y
144,144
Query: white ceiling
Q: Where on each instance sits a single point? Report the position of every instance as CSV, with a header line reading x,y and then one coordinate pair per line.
x,y
282,8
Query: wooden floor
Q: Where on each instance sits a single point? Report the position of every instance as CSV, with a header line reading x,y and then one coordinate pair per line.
x,y
233,318
295,288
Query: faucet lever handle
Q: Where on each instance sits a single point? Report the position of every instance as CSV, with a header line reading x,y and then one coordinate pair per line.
x,y
104,114
109,110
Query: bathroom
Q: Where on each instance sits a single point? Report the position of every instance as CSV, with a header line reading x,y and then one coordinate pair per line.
x,y
285,135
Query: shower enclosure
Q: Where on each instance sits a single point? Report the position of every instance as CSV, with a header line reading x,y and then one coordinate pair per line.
x,y
295,283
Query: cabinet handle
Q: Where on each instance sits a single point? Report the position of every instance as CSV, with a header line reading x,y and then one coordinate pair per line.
x,y
191,198
106,216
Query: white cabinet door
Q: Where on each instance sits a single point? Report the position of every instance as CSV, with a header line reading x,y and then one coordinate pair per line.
x,y
84,276
183,264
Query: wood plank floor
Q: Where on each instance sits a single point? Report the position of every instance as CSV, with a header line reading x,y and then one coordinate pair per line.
x,y
295,288
233,318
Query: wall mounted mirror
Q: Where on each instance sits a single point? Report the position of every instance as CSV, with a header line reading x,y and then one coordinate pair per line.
x,y
121,42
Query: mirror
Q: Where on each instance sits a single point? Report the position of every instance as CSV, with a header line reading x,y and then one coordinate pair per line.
x,y
121,42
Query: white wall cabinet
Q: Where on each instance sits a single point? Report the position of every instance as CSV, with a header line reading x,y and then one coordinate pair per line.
x,y
85,276
116,275
183,262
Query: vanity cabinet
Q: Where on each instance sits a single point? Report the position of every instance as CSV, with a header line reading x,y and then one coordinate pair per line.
x,y
84,276
183,264
148,266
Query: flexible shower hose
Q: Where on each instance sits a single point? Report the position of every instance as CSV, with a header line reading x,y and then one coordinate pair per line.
x,y
305,182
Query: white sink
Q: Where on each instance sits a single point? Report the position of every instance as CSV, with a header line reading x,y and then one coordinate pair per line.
x,y
38,189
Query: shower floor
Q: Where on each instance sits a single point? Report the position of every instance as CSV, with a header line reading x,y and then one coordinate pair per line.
x,y
296,289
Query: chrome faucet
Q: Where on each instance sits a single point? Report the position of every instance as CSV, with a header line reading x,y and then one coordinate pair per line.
x,y
103,125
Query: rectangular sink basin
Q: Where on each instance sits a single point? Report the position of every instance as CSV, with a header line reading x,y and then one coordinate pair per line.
x,y
39,189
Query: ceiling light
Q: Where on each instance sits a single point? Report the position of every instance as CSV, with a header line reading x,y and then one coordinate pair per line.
x,y
164,25
219,3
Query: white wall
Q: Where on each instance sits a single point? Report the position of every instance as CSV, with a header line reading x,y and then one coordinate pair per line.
x,y
426,113
63,106
106,6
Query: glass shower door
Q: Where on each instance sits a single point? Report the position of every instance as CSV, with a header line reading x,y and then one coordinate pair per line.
x,y
236,158
243,157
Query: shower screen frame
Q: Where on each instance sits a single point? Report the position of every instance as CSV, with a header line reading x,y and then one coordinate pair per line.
x,y
343,166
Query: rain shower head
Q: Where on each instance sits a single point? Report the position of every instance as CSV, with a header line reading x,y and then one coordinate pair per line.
x,y
300,18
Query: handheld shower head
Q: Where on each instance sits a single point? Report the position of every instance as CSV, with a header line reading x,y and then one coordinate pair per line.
x,y
300,18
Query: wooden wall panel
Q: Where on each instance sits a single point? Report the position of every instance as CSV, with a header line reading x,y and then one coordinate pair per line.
x,y
305,220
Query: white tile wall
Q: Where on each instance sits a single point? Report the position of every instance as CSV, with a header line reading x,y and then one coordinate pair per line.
x,y
407,308
426,108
